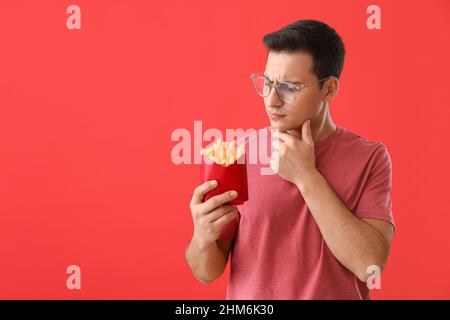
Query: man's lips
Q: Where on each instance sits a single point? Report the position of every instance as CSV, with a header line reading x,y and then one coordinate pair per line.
x,y
275,115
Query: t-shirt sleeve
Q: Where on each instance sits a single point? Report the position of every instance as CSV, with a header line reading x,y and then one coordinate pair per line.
x,y
229,230
375,201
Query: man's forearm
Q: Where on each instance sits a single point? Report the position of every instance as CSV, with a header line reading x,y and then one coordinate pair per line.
x,y
354,242
206,261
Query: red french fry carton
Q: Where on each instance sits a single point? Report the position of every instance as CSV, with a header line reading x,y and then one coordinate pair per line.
x,y
229,177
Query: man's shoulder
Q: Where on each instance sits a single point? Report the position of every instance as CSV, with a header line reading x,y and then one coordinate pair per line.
x,y
355,146
355,141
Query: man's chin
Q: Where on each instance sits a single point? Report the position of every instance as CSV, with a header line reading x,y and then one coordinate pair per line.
x,y
278,125
282,126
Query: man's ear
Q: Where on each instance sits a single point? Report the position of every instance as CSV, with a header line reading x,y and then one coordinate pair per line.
x,y
331,88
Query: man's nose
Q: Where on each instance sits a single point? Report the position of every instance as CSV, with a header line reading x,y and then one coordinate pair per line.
x,y
273,99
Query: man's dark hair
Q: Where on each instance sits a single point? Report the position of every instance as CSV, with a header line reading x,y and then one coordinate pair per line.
x,y
313,37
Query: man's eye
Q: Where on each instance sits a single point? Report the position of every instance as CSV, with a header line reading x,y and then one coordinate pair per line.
x,y
288,87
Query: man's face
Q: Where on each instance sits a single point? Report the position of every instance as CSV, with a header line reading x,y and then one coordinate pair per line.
x,y
297,68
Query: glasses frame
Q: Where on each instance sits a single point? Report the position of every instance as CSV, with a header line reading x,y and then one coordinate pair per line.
x,y
297,87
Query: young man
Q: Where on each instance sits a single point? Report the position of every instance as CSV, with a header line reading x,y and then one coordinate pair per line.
x,y
319,227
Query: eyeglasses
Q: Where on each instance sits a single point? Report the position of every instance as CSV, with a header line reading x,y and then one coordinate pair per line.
x,y
287,91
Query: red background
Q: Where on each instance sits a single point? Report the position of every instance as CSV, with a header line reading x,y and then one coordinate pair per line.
x,y
86,118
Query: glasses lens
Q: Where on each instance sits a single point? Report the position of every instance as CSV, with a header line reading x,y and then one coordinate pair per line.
x,y
262,86
287,92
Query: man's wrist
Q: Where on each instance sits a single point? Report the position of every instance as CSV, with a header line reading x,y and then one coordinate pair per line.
x,y
200,243
308,181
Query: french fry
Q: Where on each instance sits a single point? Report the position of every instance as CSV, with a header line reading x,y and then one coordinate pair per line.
x,y
222,152
230,154
240,152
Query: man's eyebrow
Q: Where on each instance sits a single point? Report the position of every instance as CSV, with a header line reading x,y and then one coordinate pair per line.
x,y
283,80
